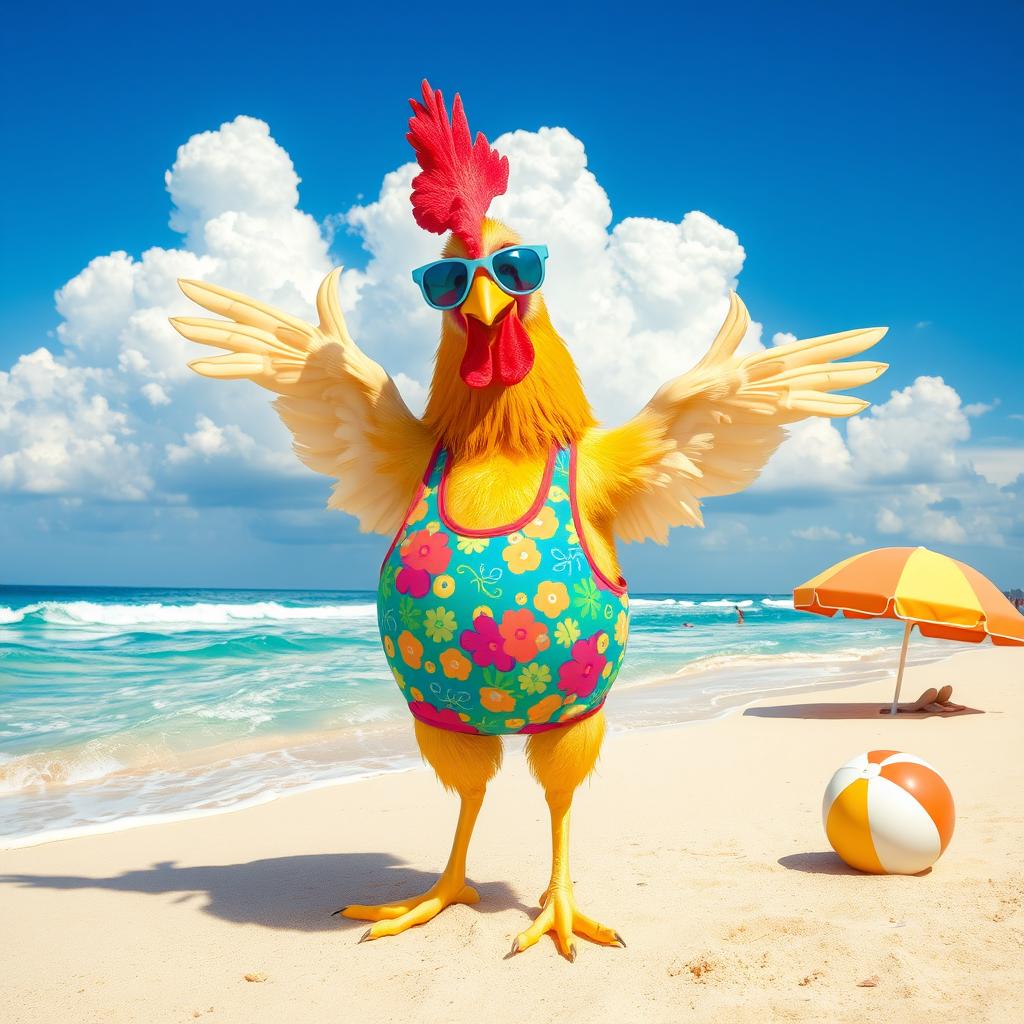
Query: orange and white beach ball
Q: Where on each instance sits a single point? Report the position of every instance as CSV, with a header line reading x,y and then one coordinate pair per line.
x,y
888,813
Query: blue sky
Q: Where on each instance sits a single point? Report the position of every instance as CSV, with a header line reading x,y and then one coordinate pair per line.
x,y
867,160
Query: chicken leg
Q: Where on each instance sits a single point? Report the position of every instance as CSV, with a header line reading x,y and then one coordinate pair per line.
x,y
560,760
464,764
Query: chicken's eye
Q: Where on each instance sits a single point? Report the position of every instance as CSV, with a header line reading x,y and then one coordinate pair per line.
x,y
519,270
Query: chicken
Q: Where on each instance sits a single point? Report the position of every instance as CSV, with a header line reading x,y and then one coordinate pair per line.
x,y
501,605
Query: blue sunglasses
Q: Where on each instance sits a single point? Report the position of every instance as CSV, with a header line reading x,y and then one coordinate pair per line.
x,y
516,269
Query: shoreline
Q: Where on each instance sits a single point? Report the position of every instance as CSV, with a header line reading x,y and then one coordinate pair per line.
x,y
873,664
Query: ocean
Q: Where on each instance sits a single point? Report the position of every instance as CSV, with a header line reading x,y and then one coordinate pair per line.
x,y
120,706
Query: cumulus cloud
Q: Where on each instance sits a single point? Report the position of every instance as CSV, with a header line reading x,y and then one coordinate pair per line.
x,y
907,464
101,417
643,286
111,412
124,417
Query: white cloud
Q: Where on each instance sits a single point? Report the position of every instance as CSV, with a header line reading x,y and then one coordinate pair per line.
x,y
911,436
999,466
123,371
155,394
826,533
73,442
976,409
118,416
645,286
906,467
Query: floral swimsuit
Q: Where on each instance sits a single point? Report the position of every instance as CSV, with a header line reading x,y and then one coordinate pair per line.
x,y
507,630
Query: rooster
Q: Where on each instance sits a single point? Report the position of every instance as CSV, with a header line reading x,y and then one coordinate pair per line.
x,y
501,605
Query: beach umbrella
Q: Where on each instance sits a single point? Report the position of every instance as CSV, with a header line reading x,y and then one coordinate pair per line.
x,y
941,596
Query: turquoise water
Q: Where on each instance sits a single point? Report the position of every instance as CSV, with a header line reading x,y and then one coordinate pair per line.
x,y
121,706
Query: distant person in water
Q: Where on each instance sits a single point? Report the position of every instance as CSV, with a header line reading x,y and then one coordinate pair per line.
x,y
739,616
687,625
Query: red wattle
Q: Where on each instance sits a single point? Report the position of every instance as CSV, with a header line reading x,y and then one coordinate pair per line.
x,y
515,350
477,369
511,354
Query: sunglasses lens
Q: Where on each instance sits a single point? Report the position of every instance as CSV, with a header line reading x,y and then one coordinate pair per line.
x,y
519,270
444,284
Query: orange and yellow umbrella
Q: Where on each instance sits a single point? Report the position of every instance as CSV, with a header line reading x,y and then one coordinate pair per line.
x,y
941,596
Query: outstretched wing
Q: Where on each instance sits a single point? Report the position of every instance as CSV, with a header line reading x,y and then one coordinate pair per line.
x,y
347,415
711,431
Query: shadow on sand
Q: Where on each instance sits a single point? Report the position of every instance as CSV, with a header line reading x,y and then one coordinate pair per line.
x,y
846,711
828,863
294,893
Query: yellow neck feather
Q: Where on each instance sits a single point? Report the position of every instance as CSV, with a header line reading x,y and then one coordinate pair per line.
x,y
547,406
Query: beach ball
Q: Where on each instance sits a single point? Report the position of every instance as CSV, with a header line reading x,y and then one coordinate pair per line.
x,y
888,813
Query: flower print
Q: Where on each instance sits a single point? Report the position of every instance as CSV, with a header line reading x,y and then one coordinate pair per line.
x,y
570,529
454,664
587,598
439,624
496,698
473,545
520,631
418,513
443,718
416,694
430,667
399,678
514,723
543,642
570,713
557,494
444,586
544,709
534,678
551,598
409,612
521,554
602,642
607,671
411,649
389,647
544,526
414,582
567,632
521,598
486,644
387,581
608,612
427,550
621,628
482,609
581,674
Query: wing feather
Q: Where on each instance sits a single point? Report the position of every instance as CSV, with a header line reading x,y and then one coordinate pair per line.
x,y
710,432
346,415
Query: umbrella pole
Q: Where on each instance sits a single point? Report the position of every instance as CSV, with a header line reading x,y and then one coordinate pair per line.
x,y
903,663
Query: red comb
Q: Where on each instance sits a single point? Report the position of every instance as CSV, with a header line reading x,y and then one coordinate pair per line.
x,y
459,177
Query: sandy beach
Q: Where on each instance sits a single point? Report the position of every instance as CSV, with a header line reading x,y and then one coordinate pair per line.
x,y
701,844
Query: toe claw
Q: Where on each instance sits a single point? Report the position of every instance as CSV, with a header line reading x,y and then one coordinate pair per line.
x,y
572,952
620,940
515,946
365,937
340,910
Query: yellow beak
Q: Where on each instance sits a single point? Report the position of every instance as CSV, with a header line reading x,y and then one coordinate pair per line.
x,y
485,301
